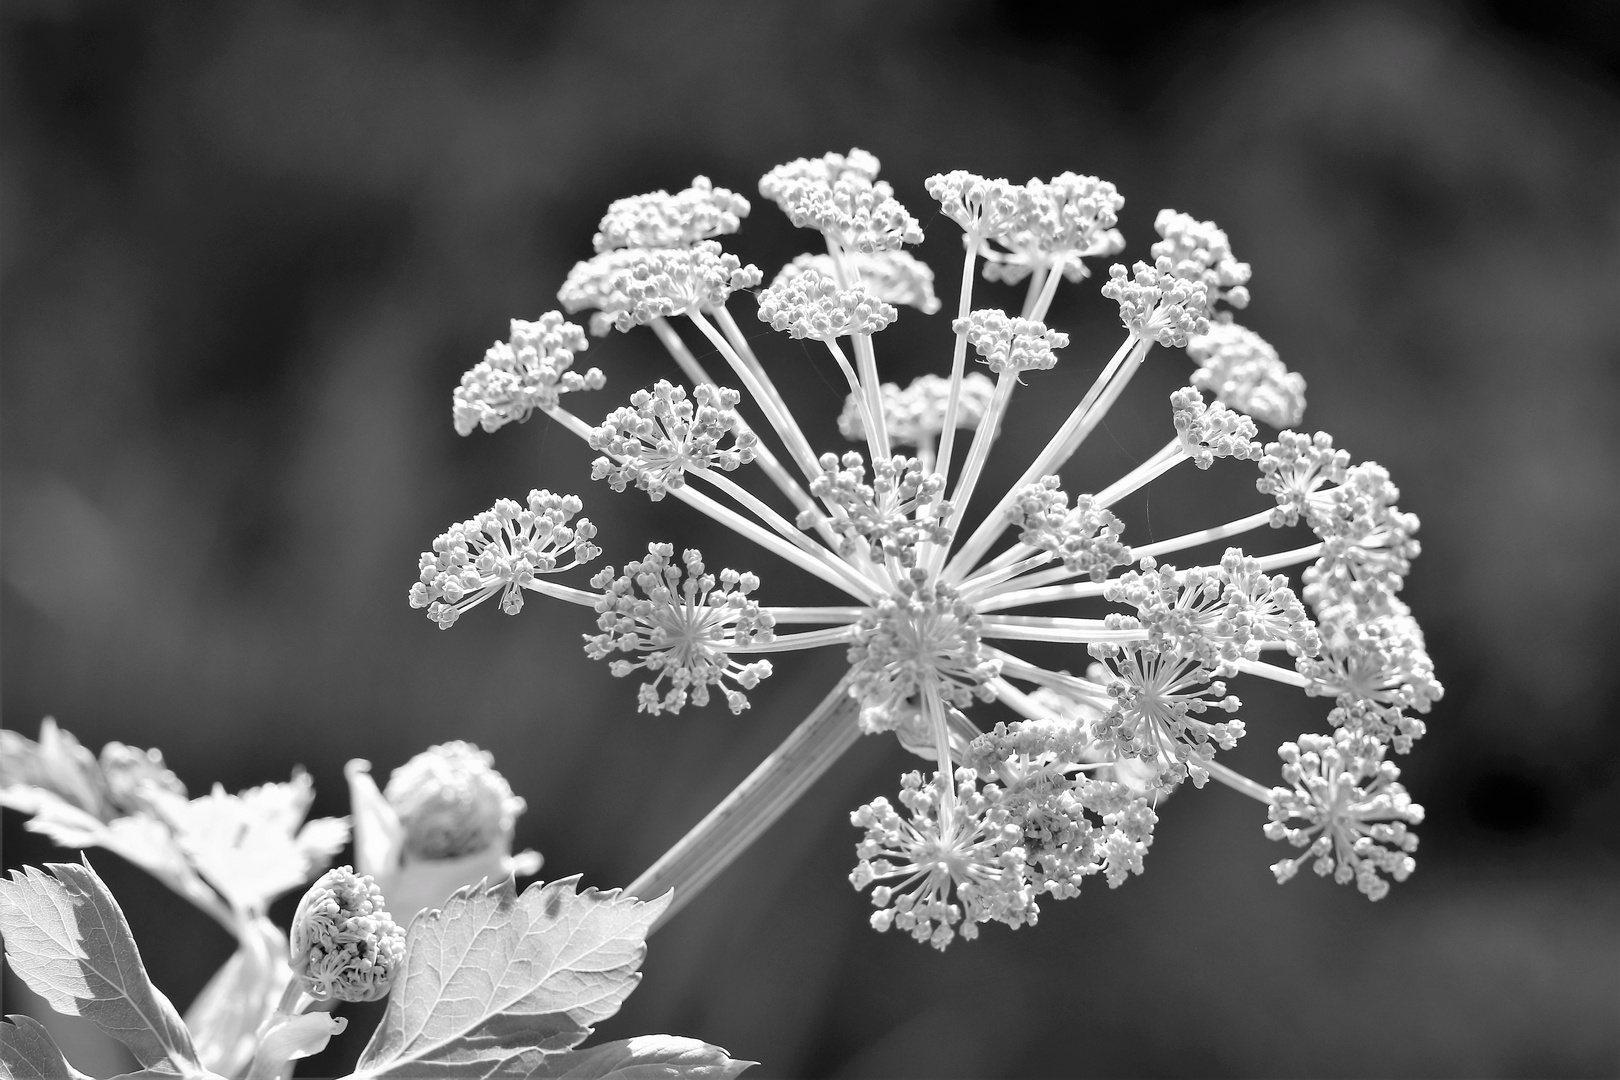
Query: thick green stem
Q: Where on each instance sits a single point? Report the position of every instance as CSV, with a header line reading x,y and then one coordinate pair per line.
x,y
754,805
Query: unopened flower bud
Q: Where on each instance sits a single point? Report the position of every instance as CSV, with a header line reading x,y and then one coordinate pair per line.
x,y
345,945
451,801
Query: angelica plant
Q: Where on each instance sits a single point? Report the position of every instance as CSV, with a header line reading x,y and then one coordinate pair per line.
x,y
486,981
930,607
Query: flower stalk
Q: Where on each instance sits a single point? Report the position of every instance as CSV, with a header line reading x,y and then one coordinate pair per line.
x,y
753,806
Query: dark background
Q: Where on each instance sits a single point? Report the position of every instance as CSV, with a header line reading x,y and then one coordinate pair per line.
x,y
249,249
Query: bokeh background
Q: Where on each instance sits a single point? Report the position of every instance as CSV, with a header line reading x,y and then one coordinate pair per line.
x,y
248,250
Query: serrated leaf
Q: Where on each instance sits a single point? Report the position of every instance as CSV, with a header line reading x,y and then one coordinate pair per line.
x,y
495,980
250,846
27,1052
67,938
140,838
57,763
646,1057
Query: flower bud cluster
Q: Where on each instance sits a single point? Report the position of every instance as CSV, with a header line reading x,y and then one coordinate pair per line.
x,y
1207,432
1046,225
1354,815
1373,660
1068,219
962,842
1160,695
922,635
972,854
1085,537
1375,670
1368,544
1295,469
500,551
894,277
1200,252
682,631
659,219
841,197
1078,716
1011,344
811,305
345,945
989,207
531,371
1217,614
1241,368
881,519
591,286
1158,305
1074,825
915,416
663,435
660,282
451,802
628,241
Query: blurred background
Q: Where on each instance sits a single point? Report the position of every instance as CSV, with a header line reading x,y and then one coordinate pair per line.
x,y
249,249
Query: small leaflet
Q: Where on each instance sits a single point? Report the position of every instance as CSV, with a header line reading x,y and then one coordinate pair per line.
x,y
645,1057
498,984
250,846
27,1052
67,938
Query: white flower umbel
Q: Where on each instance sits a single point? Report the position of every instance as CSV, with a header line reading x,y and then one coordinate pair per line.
x,y
683,631
1353,816
929,608
501,551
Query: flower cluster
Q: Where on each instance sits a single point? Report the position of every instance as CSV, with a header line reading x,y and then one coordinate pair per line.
x,y
531,371
1355,816
1085,536
957,842
894,277
658,241
1157,304
883,518
663,435
345,945
1197,251
932,608
841,197
811,305
660,220
1010,344
1037,227
500,551
1217,614
1241,368
915,416
445,820
451,802
659,282
1207,432
680,630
